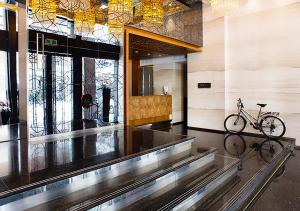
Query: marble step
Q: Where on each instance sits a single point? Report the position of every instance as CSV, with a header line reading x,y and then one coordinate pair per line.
x,y
248,194
74,190
154,194
122,164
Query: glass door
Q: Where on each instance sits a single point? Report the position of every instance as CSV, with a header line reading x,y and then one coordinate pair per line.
x,y
100,80
62,93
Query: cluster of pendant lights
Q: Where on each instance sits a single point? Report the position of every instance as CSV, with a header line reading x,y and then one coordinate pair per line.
x,y
85,12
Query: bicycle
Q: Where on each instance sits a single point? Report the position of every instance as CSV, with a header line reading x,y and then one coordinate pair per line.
x,y
268,123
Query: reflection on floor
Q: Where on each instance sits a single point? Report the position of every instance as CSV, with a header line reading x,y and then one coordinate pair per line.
x,y
284,191
124,168
22,131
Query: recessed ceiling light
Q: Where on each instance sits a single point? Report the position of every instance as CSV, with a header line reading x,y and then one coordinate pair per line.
x,y
136,51
149,54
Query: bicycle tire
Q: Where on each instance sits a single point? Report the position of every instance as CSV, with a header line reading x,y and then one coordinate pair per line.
x,y
235,131
266,142
268,135
243,145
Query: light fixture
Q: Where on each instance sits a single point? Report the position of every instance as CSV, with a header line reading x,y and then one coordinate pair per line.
x,y
84,21
224,6
138,8
99,9
120,13
153,11
84,16
74,5
44,10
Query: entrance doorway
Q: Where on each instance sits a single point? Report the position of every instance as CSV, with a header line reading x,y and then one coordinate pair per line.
x,y
155,78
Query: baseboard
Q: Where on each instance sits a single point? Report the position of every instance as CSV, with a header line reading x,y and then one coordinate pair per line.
x,y
206,130
178,123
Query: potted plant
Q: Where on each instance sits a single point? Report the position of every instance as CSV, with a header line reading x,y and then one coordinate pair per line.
x,y
5,112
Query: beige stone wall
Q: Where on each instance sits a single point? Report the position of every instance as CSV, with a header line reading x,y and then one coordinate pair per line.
x,y
261,63
171,75
206,106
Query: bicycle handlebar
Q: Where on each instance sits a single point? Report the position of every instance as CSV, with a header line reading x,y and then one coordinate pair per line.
x,y
240,103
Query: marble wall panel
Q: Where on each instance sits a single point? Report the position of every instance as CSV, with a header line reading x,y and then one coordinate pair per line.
x,y
206,106
171,75
261,64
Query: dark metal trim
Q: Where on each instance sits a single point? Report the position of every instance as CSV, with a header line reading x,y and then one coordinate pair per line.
x,y
77,87
75,47
12,67
49,95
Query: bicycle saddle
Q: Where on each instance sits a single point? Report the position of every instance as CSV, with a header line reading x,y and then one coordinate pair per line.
x,y
262,105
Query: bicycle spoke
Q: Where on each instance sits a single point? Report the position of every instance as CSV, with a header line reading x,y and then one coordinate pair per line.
x,y
234,123
272,126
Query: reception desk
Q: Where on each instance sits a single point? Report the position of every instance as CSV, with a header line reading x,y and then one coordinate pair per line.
x,y
149,109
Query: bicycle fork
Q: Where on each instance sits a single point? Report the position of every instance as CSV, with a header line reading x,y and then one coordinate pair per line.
x,y
237,120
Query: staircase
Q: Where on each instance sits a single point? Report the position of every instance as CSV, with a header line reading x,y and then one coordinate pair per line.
x,y
179,176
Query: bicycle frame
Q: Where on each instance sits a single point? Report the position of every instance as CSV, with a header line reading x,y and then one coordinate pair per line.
x,y
253,121
264,122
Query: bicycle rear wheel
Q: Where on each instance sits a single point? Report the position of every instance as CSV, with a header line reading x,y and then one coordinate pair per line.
x,y
272,126
235,123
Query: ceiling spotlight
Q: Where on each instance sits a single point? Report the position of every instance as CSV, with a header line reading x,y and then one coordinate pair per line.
x,y
136,51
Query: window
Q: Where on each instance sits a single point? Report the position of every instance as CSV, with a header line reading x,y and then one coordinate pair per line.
x,y
99,74
2,19
107,76
3,77
36,71
63,89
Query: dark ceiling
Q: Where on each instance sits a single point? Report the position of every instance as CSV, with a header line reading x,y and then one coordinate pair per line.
x,y
145,48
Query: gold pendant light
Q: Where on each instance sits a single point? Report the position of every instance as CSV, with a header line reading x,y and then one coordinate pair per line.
x,y
72,6
84,17
84,21
44,10
153,11
120,13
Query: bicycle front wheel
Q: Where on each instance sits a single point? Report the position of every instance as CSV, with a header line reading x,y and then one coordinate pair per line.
x,y
272,126
235,123
269,149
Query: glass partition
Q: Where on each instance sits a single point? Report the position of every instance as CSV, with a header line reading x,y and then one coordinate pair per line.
x,y
3,76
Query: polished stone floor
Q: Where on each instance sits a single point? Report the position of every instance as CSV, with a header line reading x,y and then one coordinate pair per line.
x,y
282,194
23,130
29,162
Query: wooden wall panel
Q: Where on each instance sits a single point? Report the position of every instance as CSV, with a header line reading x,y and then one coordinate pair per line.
x,y
149,109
